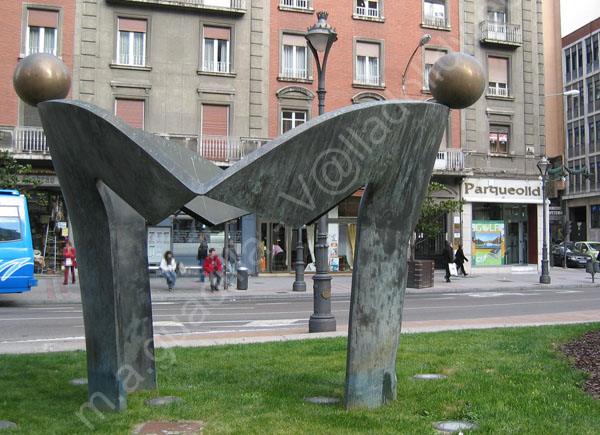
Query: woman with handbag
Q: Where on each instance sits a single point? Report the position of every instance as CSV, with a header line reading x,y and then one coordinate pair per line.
x,y
70,262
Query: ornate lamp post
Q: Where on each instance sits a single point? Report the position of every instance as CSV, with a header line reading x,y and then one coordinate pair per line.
x,y
543,165
320,38
424,40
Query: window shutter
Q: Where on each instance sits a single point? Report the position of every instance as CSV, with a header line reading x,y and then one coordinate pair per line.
x,y
132,25
216,32
42,18
130,111
432,56
297,40
498,69
215,120
367,49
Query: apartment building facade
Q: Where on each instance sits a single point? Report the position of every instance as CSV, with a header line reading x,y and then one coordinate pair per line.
x,y
28,27
366,63
504,136
581,60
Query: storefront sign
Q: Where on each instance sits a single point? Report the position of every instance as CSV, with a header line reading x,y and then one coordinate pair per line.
x,y
500,190
159,241
488,243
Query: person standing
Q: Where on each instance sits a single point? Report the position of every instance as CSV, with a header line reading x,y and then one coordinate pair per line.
x,y
70,262
168,267
448,256
202,254
213,269
231,259
460,259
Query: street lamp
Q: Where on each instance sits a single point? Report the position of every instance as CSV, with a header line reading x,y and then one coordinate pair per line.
x,y
320,38
424,40
543,165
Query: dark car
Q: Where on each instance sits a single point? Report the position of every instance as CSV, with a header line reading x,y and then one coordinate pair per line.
x,y
574,258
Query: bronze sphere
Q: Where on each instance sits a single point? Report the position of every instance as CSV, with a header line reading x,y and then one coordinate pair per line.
x,y
41,77
457,80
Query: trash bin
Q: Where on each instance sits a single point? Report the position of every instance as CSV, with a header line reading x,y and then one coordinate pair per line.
x,y
242,278
592,267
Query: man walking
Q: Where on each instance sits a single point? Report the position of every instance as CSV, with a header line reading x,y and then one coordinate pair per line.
x,y
213,269
448,256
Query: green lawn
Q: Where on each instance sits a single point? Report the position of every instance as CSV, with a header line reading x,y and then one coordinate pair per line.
x,y
505,380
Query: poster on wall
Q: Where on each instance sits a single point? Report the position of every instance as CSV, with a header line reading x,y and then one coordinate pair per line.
x,y
159,241
488,243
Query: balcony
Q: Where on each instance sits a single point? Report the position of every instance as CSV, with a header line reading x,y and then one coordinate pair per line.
x,y
449,160
303,5
216,67
367,80
500,90
25,142
495,32
233,6
368,13
435,21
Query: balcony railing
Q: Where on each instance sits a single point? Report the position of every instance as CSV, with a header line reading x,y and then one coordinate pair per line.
x,y
498,91
500,33
298,4
293,73
450,160
227,148
31,140
237,6
221,67
435,21
367,80
363,11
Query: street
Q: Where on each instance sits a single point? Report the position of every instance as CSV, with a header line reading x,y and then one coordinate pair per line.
x,y
35,327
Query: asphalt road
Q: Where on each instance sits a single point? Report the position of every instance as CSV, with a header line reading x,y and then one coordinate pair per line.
x,y
45,323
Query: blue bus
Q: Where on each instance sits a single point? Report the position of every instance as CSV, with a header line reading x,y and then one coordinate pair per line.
x,y
16,249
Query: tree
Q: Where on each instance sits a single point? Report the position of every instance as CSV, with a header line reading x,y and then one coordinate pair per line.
x,y
429,225
16,176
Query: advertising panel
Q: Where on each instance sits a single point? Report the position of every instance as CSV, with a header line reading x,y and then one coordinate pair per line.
x,y
159,241
488,243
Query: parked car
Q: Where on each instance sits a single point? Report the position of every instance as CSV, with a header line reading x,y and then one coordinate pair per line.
x,y
591,248
575,258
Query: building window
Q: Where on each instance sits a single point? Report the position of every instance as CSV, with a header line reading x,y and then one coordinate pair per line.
x,y
498,76
294,57
430,57
595,209
216,49
499,139
42,28
368,8
434,13
367,63
292,119
131,43
130,111
297,4
215,143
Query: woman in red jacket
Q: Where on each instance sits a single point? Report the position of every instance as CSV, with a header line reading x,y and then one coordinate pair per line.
x,y
213,269
70,262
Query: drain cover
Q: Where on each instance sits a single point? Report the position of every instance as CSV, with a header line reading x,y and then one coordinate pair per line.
x,y
7,425
323,400
78,381
162,401
453,426
429,376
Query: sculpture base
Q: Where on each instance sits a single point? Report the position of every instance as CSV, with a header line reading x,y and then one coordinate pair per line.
x,y
322,323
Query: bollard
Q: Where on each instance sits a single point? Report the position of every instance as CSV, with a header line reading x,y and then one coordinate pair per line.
x,y
242,278
592,267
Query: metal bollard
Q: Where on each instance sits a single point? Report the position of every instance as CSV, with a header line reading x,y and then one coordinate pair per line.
x,y
592,267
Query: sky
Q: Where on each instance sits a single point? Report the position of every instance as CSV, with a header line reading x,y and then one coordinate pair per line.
x,y
576,13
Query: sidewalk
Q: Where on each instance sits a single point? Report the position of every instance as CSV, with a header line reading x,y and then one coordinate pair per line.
x,y
51,290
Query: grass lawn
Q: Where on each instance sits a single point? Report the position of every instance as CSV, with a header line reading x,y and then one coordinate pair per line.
x,y
505,380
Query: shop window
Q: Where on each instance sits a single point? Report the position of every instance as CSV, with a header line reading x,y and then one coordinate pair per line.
x,y
367,63
430,57
216,57
498,76
499,139
131,42
294,57
42,31
291,119
130,111
434,13
595,218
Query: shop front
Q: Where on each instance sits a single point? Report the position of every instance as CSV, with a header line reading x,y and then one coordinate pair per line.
x,y
502,224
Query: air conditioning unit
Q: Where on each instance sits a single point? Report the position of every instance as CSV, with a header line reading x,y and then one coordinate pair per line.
x,y
530,151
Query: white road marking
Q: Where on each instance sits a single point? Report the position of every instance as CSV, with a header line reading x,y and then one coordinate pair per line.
x,y
273,322
167,323
570,291
36,340
499,305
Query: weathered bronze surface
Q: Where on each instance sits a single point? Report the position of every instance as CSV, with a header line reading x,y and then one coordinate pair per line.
x,y
41,77
457,80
